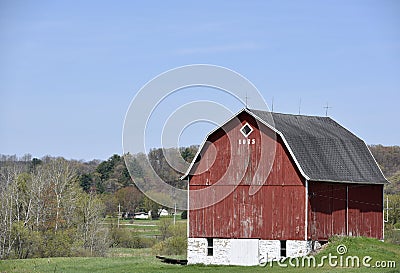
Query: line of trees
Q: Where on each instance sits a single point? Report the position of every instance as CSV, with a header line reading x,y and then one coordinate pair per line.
x,y
388,158
56,207
44,212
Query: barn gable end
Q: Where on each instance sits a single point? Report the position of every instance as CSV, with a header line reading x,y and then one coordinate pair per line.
x,y
276,211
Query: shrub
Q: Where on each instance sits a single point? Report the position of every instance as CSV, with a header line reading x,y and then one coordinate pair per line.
x,y
175,241
392,236
171,246
159,248
178,230
176,245
146,242
58,244
122,237
28,243
164,228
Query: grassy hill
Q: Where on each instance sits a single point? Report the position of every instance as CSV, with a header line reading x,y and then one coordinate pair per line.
x,y
142,260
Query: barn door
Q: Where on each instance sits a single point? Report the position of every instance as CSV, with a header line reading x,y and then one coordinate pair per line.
x,y
244,252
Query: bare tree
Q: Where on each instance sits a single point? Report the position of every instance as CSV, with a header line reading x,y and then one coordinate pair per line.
x,y
9,199
61,176
91,229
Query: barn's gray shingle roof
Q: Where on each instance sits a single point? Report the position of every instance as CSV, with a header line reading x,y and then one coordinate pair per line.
x,y
325,150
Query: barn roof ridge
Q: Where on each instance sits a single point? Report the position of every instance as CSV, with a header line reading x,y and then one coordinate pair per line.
x,y
322,149
286,114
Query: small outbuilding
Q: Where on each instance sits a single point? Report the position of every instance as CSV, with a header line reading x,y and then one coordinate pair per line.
x,y
268,185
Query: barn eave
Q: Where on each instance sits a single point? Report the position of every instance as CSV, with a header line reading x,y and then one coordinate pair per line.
x,y
349,182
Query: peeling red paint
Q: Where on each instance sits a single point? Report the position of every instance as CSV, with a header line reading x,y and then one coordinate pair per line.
x,y
277,211
345,209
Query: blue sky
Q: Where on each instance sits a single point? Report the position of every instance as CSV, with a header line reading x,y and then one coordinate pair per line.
x,y
69,69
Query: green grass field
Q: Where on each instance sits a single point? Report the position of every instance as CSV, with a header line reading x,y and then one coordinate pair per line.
x,y
146,228
142,260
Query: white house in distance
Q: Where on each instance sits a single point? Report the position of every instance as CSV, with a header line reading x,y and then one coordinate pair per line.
x,y
146,215
141,215
163,212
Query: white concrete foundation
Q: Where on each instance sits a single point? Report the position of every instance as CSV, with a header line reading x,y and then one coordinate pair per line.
x,y
296,248
269,250
243,251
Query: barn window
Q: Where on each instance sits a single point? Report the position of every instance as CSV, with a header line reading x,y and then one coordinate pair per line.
x,y
246,130
283,248
210,247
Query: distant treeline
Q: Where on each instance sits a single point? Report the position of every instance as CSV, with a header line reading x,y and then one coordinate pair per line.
x,y
55,207
111,175
388,158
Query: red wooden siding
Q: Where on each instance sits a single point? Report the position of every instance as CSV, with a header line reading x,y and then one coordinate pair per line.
x,y
276,211
366,211
331,214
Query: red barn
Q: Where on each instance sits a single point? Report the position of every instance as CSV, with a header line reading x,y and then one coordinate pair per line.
x,y
267,185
